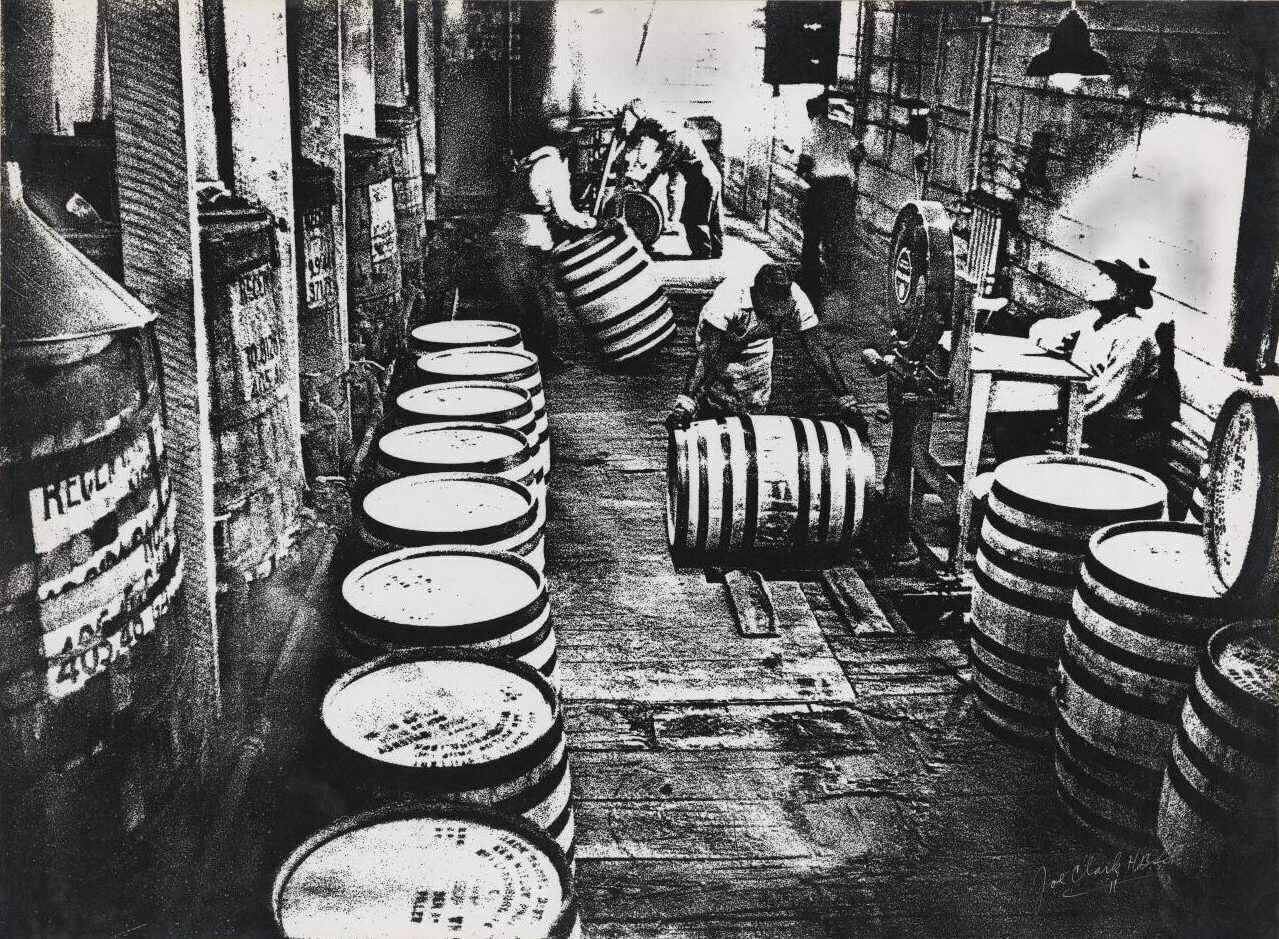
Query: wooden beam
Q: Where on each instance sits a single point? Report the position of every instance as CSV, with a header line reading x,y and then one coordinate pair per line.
x,y
153,99
358,93
261,146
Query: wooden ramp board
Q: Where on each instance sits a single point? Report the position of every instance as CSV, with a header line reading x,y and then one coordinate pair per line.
x,y
855,604
752,605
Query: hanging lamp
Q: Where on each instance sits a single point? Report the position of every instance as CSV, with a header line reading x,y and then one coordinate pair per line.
x,y
1069,51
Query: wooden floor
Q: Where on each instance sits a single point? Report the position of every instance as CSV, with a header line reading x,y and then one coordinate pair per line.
x,y
820,783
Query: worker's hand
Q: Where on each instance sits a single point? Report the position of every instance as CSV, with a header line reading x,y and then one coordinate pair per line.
x,y
851,414
682,413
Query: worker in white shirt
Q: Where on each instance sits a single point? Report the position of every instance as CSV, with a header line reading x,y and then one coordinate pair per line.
x,y
733,371
825,165
540,214
1132,394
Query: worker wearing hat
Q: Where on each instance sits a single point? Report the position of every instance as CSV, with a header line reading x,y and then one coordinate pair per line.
x,y
1132,394
733,370
540,213
683,152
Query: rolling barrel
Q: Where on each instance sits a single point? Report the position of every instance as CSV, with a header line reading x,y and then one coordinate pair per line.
x,y
461,597
455,725
456,334
1040,513
435,870
94,742
766,485
1146,603
1217,810
608,278
512,366
452,509
374,279
1241,505
462,447
258,479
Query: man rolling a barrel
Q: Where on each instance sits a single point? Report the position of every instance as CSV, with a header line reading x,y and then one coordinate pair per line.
x,y
681,151
733,371
541,212
1132,394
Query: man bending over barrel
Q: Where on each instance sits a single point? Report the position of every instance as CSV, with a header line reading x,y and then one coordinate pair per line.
x,y
733,370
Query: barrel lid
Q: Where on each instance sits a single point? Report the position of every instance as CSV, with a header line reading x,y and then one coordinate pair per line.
x,y
1077,487
482,507
52,292
438,336
439,713
1247,656
435,871
1241,503
479,362
466,401
439,589
463,446
1162,556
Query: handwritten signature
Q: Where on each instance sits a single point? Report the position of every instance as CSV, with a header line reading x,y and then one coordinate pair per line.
x,y
1096,874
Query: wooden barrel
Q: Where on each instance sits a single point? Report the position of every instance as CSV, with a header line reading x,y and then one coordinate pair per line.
x,y
457,596
374,275
464,726
438,870
1241,506
322,341
512,366
92,745
1040,513
608,279
766,484
472,509
488,402
398,125
1217,809
462,447
454,334
643,213
258,482
1146,603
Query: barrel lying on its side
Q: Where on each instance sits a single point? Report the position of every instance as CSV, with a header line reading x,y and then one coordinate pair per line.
x,y
621,305
766,484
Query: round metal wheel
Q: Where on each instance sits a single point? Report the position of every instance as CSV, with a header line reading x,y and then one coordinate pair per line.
x,y
921,275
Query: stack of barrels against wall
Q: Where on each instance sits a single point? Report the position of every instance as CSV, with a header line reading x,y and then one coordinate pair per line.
x,y
94,739
375,285
1147,649
259,480
449,696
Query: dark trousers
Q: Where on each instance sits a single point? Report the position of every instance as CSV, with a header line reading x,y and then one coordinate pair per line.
x,y
701,216
526,284
818,216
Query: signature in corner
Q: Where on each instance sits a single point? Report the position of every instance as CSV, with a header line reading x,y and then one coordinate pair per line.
x,y
1096,874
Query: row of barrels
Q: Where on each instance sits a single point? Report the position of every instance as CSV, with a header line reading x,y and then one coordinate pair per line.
x,y
444,727
1106,631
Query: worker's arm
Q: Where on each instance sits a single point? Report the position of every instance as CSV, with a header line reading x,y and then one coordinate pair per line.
x,y
553,175
1057,334
1130,359
710,353
823,359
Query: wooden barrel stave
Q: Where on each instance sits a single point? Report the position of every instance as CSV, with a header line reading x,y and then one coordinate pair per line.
x,y
749,484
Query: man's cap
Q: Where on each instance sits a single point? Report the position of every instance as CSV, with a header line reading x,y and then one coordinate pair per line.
x,y
1137,282
773,282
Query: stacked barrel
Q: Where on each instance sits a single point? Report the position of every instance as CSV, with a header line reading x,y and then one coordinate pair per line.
x,y
450,688
1040,513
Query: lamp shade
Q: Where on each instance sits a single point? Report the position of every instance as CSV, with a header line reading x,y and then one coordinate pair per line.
x,y
1069,50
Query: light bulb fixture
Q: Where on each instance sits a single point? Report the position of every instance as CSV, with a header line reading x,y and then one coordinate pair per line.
x,y
1069,51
